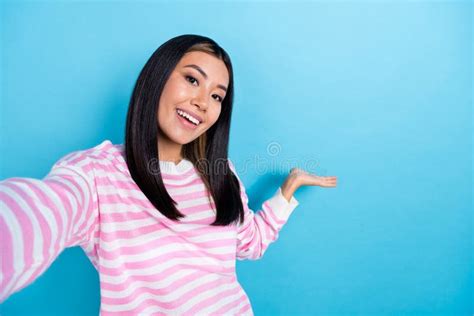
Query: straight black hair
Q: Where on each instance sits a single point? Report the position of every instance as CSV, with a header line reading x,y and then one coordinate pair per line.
x,y
208,153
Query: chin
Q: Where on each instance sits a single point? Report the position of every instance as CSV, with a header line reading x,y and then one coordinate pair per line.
x,y
183,140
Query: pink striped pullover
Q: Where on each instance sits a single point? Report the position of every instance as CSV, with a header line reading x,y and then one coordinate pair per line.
x,y
147,263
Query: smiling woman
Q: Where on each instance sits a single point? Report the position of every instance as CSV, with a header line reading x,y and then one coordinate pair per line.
x,y
191,99
197,78
164,216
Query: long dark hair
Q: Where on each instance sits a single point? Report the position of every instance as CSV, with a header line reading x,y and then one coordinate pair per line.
x,y
208,152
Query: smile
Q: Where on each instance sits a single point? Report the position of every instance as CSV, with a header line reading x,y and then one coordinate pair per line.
x,y
189,117
186,121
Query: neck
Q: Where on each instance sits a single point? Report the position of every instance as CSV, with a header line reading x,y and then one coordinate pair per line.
x,y
169,151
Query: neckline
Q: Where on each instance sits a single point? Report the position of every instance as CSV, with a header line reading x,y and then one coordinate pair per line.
x,y
171,167
166,167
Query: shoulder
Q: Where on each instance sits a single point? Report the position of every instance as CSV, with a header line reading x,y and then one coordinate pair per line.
x,y
104,154
233,168
231,164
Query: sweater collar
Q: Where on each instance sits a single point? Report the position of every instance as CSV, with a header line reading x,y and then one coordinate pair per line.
x,y
166,167
170,167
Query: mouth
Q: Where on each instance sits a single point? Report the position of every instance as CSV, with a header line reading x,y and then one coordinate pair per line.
x,y
194,118
187,120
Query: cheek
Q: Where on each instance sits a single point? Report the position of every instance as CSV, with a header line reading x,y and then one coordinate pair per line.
x,y
216,113
160,115
173,91
179,88
165,109
170,98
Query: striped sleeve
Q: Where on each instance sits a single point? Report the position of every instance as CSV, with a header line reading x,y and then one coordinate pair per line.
x,y
262,227
40,218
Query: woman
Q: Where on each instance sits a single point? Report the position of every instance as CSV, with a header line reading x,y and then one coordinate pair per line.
x,y
163,217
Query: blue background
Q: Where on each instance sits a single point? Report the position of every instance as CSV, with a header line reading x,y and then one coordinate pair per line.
x,y
379,94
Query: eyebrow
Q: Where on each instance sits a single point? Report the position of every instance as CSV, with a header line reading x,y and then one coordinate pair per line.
x,y
205,75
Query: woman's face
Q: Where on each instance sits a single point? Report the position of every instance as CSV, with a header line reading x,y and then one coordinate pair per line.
x,y
196,87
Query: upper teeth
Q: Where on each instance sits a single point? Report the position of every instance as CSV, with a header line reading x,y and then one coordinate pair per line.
x,y
189,117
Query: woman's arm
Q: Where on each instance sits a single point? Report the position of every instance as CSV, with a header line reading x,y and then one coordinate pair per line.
x,y
261,228
299,177
39,218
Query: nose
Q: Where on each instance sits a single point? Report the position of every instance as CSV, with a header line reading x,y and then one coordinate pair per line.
x,y
201,101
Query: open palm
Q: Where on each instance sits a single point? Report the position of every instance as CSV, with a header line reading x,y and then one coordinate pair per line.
x,y
306,178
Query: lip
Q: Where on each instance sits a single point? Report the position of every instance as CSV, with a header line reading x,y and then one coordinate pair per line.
x,y
197,117
187,124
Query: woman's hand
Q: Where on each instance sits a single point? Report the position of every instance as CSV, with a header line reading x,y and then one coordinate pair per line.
x,y
299,177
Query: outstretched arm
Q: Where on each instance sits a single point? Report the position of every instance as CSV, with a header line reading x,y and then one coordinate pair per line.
x,y
261,228
39,218
298,178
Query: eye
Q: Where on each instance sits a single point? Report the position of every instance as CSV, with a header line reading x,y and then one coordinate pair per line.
x,y
219,98
192,79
